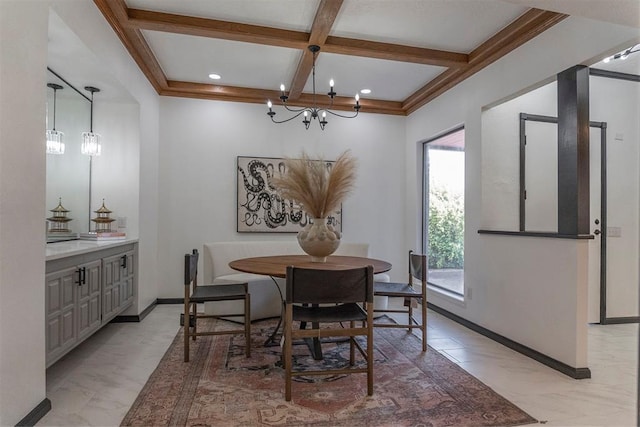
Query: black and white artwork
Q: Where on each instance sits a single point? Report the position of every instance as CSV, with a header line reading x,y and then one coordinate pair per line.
x,y
260,208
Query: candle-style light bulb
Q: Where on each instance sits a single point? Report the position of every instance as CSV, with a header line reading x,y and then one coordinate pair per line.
x,y
305,114
282,87
324,114
331,92
357,97
269,104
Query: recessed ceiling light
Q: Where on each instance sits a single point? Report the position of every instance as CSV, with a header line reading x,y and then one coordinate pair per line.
x,y
214,76
365,91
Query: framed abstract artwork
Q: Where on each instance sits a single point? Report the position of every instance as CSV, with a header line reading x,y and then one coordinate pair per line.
x,y
260,208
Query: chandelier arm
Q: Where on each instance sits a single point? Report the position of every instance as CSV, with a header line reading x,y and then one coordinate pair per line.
x,y
341,115
294,110
330,105
289,119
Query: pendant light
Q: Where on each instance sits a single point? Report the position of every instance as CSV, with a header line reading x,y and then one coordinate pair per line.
x,y
91,145
54,137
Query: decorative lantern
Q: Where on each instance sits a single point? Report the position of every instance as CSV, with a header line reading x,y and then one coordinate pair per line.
x,y
58,222
103,221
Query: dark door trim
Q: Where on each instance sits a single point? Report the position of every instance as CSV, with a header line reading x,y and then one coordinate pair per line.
x,y
524,117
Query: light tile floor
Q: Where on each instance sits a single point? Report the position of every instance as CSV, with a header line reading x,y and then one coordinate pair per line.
x,y
95,384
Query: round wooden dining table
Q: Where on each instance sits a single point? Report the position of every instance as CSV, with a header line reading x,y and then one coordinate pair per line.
x,y
276,265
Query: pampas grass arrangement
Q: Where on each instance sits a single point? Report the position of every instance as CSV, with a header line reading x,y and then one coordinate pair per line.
x,y
318,189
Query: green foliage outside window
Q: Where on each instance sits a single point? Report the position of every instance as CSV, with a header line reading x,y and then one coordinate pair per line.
x,y
446,229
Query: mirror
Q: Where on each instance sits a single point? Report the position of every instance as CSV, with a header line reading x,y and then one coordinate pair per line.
x,y
83,182
68,174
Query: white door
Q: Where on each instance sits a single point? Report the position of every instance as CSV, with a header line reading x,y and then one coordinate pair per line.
x,y
595,261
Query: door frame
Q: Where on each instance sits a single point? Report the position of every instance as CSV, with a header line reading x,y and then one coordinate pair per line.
x,y
524,117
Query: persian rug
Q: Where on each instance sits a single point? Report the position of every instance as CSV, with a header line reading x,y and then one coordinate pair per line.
x,y
221,387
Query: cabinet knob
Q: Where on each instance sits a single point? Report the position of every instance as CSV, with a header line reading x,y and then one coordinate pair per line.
x,y
123,261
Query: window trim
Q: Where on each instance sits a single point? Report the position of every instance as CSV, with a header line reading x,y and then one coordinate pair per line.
x,y
425,212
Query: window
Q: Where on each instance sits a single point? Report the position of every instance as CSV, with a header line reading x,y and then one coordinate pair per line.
x,y
443,201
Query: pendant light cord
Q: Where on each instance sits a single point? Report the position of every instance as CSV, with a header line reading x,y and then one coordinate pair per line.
x,y
54,108
91,115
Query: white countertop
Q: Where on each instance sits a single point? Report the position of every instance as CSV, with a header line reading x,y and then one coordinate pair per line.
x,y
59,250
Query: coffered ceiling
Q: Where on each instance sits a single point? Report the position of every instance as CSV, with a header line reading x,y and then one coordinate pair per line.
x,y
407,52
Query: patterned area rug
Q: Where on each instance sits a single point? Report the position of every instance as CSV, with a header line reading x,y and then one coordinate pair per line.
x,y
220,387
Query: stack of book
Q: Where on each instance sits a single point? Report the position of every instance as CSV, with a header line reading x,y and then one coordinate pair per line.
x,y
104,235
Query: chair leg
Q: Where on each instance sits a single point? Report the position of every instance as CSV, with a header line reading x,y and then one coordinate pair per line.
x,y
247,324
186,329
424,325
194,309
352,347
288,362
370,354
410,314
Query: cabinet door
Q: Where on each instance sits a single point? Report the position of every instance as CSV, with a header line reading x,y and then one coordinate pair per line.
x,y
61,311
89,312
128,279
112,279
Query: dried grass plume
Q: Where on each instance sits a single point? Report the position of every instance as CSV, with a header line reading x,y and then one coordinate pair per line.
x,y
318,189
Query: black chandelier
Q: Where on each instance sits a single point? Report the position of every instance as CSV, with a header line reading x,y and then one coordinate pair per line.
x,y
314,112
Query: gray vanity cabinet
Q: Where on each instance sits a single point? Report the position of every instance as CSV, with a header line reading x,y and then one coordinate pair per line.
x,y
84,292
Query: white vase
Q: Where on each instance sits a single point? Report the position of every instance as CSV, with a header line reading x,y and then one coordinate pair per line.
x,y
319,240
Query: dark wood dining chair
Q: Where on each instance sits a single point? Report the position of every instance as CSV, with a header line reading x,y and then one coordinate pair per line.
x,y
411,295
194,295
326,299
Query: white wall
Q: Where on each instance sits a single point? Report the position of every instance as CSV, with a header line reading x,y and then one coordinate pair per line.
x,y
22,193
499,270
200,141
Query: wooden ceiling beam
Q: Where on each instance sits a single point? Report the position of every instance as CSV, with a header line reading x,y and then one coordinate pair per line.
x,y
212,28
115,12
394,52
260,96
523,29
323,21
128,23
